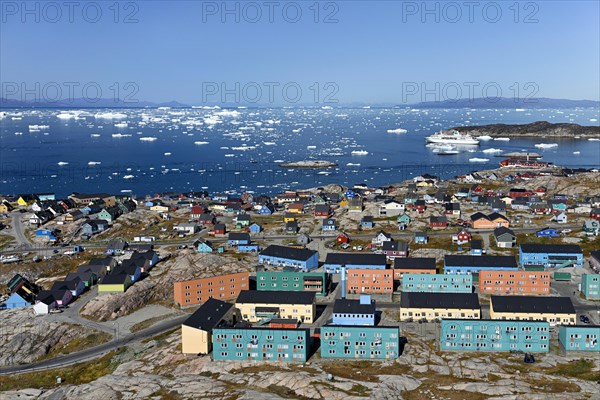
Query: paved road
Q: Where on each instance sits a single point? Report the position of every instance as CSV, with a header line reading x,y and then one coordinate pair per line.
x,y
94,352
71,314
17,227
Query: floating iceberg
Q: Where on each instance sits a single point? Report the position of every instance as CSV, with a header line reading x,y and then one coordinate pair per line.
x,y
491,151
61,163
360,152
269,143
484,137
576,152
121,125
200,143
311,147
148,139
128,177
95,135
92,163
37,128
502,139
475,160
120,135
546,145
398,130
168,154
110,115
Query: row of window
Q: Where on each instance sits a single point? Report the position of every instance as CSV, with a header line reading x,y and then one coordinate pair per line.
x,y
498,328
480,345
222,289
210,283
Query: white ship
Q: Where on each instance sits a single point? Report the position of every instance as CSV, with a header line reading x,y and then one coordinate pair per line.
x,y
452,137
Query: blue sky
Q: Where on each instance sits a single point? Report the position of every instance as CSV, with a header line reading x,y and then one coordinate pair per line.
x,y
377,51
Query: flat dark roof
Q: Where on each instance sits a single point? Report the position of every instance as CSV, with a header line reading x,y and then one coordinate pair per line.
x,y
453,260
439,300
293,253
275,297
355,259
350,306
209,315
415,263
550,248
532,304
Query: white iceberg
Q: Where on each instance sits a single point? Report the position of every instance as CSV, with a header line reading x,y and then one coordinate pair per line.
x,y
148,139
491,151
92,163
110,115
200,143
128,177
61,163
397,130
502,139
168,154
360,153
478,160
546,145
484,137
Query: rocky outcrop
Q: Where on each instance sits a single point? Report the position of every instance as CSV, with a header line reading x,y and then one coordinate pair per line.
x,y
535,129
308,164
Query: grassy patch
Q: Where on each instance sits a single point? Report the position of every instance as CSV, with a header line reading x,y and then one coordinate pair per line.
x,y
148,323
6,241
554,386
162,337
580,369
73,375
365,371
86,340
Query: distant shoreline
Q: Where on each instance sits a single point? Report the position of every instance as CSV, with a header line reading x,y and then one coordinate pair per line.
x,y
540,129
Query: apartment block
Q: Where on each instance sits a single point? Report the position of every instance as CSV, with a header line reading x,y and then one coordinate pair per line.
x,y
438,283
579,337
220,287
365,342
372,281
293,281
514,282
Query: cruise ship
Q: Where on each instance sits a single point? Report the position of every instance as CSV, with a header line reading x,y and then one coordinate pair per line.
x,y
453,137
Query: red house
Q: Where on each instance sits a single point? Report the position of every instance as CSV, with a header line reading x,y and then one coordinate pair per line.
x,y
540,191
197,211
343,238
462,236
420,206
322,210
218,229
541,210
477,189
438,222
518,192
595,214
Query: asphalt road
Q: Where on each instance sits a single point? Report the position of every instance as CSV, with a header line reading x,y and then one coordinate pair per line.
x,y
94,352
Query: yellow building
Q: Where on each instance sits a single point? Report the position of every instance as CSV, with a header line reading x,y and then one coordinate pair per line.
x,y
159,208
196,331
430,306
5,207
288,217
554,310
255,306
26,200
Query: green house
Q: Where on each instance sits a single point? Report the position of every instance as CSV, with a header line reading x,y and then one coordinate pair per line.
x,y
115,283
403,219
360,342
590,286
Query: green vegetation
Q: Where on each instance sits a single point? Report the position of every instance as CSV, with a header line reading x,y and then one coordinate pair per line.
x,y
363,370
580,369
147,323
74,375
6,241
82,342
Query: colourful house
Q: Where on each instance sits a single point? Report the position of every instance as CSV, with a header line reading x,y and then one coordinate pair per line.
x,y
494,335
118,281
364,342
196,331
463,264
579,337
335,261
551,255
293,281
354,312
260,344
263,306
16,301
431,306
555,310
590,286
255,228
437,283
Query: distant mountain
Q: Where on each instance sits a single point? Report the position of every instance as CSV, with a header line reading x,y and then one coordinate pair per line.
x,y
84,103
535,129
505,102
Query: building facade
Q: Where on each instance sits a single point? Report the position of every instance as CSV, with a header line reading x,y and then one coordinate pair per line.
x,y
552,309
462,264
514,282
196,331
354,312
494,335
590,286
263,306
414,265
335,261
551,255
283,256
372,342
431,306
220,287
373,281
261,344
579,337
293,281
438,283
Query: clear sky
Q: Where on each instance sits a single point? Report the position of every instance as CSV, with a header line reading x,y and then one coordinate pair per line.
x,y
356,51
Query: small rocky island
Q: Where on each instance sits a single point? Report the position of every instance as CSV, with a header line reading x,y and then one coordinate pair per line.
x,y
309,164
535,129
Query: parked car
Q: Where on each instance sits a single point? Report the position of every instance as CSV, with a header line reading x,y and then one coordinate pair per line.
x,y
529,358
584,319
565,231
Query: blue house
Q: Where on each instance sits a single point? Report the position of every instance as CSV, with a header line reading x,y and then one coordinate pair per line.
x,y
462,264
236,239
247,248
16,301
476,248
364,342
329,225
421,238
547,232
579,337
204,246
354,312
367,222
335,261
266,209
255,228
283,256
47,233
438,283
260,344
494,335
551,255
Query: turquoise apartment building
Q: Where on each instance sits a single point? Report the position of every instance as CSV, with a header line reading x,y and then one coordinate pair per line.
x,y
494,335
293,281
579,337
438,283
360,342
551,255
590,286
260,344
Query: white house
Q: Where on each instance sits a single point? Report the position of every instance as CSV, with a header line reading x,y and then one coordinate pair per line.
x,y
44,305
187,228
560,218
391,208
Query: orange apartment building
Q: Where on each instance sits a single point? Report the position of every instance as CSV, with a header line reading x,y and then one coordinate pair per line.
x,y
414,265
514,282
220,287
374,281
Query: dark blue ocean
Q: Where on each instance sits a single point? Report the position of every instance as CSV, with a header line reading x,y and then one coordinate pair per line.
x,y
145,151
